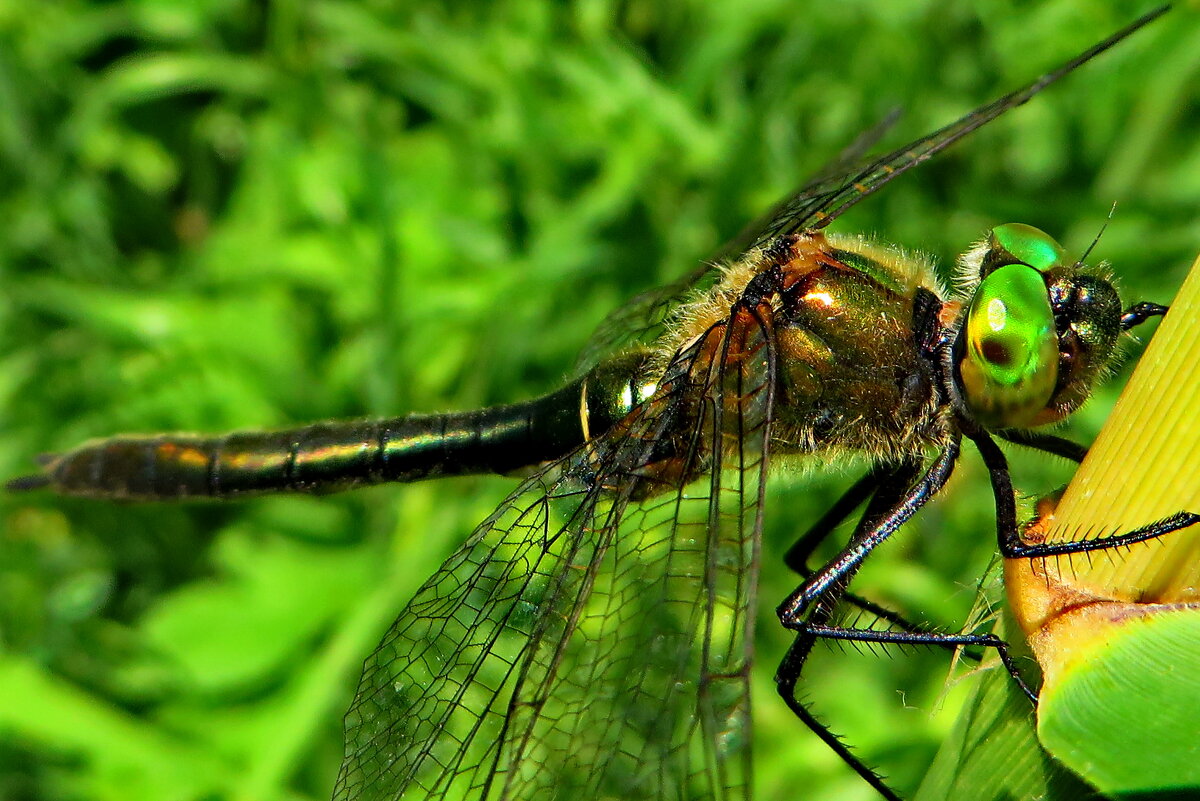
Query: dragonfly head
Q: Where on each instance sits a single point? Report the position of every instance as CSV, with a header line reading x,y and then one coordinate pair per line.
x,y
1038,333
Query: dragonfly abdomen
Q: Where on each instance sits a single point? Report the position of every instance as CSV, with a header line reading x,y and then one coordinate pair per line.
x,y
324,457
319,457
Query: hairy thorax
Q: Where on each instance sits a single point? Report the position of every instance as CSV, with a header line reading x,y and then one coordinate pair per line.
x,y
848,372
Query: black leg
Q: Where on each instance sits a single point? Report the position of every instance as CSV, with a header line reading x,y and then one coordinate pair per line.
x,y
1008,533
892,480
926,638
1139,313
798,555
809,610
1046,443
785,680
890,491
887,615
791,611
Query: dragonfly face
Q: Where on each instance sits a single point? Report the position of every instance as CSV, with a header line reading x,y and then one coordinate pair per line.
x,y
677,462
1038,333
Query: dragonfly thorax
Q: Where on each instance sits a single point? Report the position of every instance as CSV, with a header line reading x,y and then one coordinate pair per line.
x,y
852,374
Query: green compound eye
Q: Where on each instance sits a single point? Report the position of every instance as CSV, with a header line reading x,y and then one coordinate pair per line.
x,y
1010,367
1028,245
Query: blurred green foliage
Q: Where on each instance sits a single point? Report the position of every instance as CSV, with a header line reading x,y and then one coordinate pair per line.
x,y
226,214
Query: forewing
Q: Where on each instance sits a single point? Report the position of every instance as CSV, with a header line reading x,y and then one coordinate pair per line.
x,y
593,638
822,199
821,202
640,319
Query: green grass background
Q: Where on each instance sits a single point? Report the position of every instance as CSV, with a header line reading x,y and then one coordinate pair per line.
x,y
225,214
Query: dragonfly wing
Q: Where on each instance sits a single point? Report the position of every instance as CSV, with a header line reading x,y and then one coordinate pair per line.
x,y
823,198
430,714
640,319
664,636
593,638
823,201
806,199
820,200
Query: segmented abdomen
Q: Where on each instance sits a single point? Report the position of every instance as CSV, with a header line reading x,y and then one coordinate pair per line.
x,y
320,457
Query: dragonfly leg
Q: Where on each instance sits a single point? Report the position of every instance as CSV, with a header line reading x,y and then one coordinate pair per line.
x,y
866,487
932,638
1008,533
886,486
786,678
788,675
791,612
883,480
1046,443
907,626
1139,313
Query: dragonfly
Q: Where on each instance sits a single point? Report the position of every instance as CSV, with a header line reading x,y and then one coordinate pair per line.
x,y
594,636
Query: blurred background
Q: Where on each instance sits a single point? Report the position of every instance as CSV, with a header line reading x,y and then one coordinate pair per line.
x,y
225,214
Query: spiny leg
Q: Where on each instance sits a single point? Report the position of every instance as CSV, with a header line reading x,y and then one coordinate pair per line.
x,y
1011,546
859,492
931,638
797,655
809,610
786,677
887,487
1008,532
797,557
890,486
792,611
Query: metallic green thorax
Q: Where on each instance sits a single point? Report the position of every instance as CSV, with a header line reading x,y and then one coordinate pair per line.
x,y
851,375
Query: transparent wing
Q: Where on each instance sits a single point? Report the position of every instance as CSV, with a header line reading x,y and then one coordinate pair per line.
x,y
849,163
823,198
640,319
823,201
593,638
